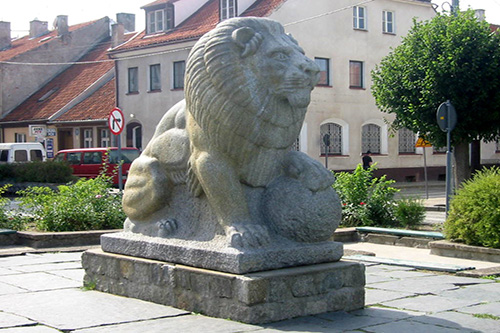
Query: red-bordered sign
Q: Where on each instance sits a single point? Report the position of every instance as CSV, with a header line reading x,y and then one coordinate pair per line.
x,y
116,122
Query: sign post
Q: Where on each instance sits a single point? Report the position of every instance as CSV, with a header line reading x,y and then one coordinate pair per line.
x,y
447,120
326,141
116,122
421,142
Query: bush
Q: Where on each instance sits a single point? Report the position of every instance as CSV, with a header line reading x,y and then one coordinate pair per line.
x,y
40,172
85,205
366,200
409,212
474,215
7,219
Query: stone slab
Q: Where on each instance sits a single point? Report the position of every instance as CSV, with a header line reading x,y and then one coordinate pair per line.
x,y
481,272
411,263
39,240
70,309
253,298
12,320
38,281
457,250
216,255
409,325
462,321
429,303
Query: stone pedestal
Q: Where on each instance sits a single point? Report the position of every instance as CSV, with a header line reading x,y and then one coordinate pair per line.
x,y
255,298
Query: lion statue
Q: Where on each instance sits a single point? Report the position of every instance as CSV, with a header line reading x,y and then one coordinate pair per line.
x,y
228,144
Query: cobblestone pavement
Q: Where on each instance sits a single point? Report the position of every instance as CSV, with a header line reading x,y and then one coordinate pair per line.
x,y
43,293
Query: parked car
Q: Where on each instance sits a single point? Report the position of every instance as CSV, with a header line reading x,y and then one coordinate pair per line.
x,y
89,162
22,152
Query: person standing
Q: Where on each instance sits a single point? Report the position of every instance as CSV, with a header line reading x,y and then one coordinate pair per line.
x,y
367,160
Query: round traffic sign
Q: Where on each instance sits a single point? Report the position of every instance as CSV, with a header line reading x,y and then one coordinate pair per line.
x,y
446,116
116,122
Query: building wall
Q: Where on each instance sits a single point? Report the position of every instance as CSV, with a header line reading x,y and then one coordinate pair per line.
x,y
333,37
18,82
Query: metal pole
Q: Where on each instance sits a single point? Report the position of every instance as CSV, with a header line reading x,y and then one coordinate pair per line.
x,y
425,176
448,158
326,157
454,7
120,176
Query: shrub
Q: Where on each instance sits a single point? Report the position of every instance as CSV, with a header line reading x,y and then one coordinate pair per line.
x,y
474,215
409,212
42,172
85,205
365,200
8,220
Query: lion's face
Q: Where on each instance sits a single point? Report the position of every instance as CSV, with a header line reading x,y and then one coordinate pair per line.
x,y
289,75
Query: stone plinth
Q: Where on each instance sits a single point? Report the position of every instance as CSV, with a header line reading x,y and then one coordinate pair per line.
x,y
216,255
255,298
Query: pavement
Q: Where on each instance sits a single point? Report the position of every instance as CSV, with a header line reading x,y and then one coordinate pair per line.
x,y
42,292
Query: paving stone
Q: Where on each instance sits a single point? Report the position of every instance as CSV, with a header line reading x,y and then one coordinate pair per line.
x,y
48,267
306,324
377,296
456,280
461,320
30,329
489,308
71,309
372,278
73,274
344,323
39,281
184,324
373,267
480,293
429,303
11,320
394,314
409,325
6,271
6,289
417,286
397,274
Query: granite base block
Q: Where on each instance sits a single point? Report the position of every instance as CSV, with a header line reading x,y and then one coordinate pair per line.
x,y
254,298
216,255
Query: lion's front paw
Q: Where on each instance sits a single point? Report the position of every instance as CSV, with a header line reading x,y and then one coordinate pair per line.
x,y
166,227
247,235
312,174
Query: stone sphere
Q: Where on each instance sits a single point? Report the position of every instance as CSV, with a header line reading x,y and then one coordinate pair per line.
x,y
297,213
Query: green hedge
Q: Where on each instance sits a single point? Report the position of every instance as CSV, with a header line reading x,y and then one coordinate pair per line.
x,y
37,172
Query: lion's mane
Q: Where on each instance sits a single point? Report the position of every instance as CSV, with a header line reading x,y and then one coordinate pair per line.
x,y
236,112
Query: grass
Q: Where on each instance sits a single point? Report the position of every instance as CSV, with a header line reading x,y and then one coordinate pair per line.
x,y
485,316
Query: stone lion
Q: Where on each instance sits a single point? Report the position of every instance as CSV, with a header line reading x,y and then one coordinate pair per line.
x,y
247,88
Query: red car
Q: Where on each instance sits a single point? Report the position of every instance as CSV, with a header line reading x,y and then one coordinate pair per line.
x,y
89,162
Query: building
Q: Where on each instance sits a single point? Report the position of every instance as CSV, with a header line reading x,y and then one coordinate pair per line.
x,y
69,108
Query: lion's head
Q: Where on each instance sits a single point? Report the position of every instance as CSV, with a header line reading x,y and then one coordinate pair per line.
x,y
252,80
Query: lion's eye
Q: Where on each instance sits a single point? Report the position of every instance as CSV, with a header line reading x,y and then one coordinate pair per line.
x,y
281,56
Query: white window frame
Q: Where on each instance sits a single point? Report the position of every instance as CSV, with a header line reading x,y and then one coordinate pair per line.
x,y
383,135
402,132
359,18
388,23
156,21
87,138
227,9
20,137
345,133
105,138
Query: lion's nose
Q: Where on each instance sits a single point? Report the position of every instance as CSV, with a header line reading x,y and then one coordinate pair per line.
x,y
309,67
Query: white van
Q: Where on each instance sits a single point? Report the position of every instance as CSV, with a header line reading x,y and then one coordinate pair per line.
x,y
22,152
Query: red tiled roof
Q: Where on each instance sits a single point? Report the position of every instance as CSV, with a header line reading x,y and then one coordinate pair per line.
x,y
69,84
26,43
95,107
202,21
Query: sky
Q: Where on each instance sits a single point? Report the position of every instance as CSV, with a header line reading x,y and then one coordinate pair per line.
x,y
19,14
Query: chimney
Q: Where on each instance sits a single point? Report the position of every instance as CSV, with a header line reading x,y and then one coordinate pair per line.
x,y
5,39
480,14
61,24
128,21
117,34
38,28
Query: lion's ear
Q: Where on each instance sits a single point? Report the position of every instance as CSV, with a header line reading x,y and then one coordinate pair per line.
x,y
248,40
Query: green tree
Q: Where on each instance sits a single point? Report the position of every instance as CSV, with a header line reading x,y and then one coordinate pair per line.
x,y
450,57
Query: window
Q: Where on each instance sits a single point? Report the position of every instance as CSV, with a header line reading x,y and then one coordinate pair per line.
x,y
104,138
87,138
227,9
169,20
356,74
154,77
370,139
359,17
179,69
324,74
20,137
133,80
92,157
497,146
406,141
20,156
334,141
74,158
36,155
296,145
155,21
388,22
4,155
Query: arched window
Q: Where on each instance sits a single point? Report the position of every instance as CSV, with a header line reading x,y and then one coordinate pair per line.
x,y
406,141
335,135
370,138
134,135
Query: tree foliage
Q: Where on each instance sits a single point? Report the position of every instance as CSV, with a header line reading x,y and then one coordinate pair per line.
x,y
454,58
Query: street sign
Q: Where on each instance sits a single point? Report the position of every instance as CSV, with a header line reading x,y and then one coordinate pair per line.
x,y
116,121
422,143
446,116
